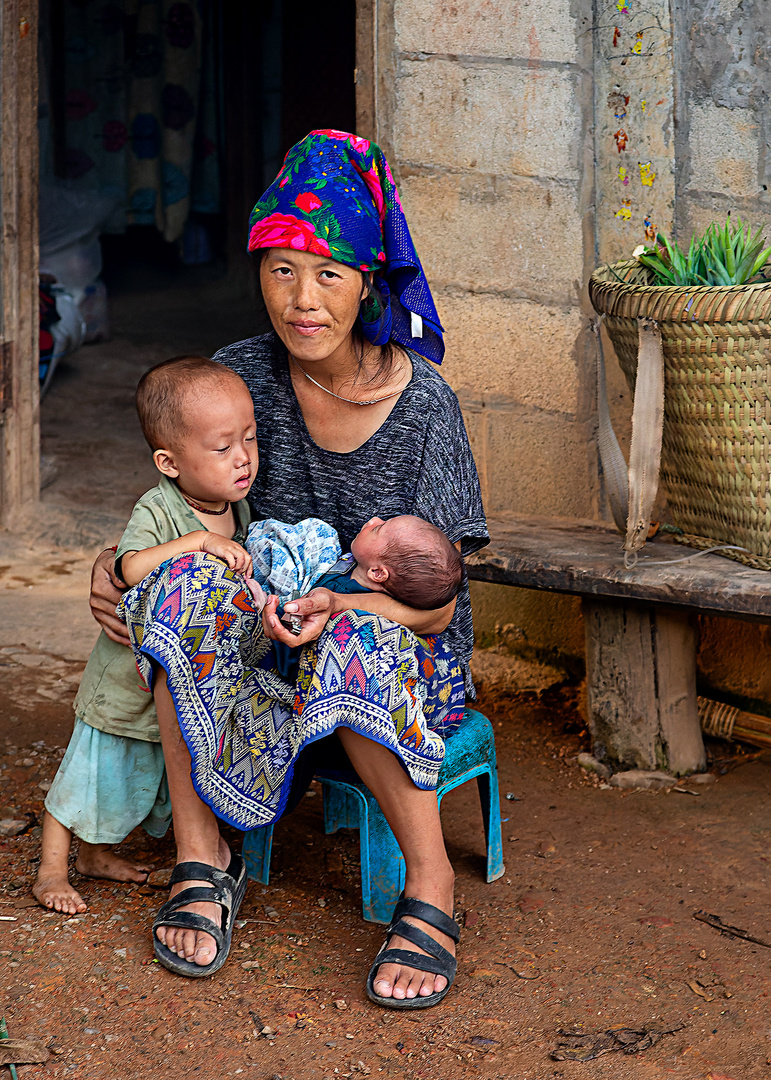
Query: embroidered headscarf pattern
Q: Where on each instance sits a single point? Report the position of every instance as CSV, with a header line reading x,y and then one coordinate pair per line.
x,y
335,196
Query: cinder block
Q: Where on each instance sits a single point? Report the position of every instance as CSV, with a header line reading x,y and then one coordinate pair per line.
x,y
487,233
512,348
546,620
497,119
724,146
696,213
531,29
538,465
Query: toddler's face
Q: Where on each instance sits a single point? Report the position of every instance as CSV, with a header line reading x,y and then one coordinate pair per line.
x,y
369,545
217,462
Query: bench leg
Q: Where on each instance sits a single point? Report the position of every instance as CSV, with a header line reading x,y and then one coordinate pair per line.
x,y
641,681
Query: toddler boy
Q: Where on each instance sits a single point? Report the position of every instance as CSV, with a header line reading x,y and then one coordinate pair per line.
x,y
198,418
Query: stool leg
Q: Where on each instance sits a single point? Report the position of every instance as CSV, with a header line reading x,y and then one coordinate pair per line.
x,y
342,809
487,783
257,849
382,865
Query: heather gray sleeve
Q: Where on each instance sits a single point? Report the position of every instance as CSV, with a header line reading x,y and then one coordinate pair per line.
x,y
448,486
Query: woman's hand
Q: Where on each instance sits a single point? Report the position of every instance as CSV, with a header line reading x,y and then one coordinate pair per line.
x,y
106,591
236,557
316,608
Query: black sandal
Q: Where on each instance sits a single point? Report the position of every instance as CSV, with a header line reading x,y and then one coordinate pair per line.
x,y
439,962
227,890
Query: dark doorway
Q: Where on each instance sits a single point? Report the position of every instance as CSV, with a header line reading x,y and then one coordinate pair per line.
x,y
268,73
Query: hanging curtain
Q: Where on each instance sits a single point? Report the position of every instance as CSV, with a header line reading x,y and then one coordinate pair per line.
x,y
142,111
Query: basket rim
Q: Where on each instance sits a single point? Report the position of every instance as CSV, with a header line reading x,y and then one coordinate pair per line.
x,y
610,295
636,286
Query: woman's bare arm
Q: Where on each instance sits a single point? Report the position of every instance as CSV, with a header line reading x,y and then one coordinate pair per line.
x,y
320,605
380,603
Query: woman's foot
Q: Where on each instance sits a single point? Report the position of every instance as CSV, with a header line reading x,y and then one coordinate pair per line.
x,y
52,889
195,945
100,861
399,981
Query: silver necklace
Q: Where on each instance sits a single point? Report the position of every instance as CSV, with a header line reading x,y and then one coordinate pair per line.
x,y
339,397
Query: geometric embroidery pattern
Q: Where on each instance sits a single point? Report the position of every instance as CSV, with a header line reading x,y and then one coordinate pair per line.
x,y
244,725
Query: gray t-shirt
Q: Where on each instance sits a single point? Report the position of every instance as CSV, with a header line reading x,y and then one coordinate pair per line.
x,y
418,462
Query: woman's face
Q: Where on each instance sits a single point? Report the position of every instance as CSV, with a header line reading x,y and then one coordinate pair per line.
x,y
312,301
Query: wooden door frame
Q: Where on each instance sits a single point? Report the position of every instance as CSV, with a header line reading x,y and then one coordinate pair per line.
x,y
376,73
19,333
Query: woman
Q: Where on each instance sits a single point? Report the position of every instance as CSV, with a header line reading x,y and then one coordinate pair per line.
x,y
352,422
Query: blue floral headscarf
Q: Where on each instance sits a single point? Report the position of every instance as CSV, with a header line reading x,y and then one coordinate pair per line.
x,y
335,196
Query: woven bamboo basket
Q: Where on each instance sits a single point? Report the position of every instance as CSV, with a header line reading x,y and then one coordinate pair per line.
x,y
716,450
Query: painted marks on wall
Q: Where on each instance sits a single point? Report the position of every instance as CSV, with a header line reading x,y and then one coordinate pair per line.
x,y
618,102
647,175
633,138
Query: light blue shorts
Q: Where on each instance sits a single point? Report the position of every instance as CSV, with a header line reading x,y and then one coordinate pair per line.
x,y
107,785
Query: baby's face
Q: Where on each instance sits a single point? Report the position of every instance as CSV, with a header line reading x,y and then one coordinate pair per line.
x,y
369,546
217,462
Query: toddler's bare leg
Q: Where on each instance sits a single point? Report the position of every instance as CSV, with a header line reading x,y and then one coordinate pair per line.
x,y
52,888
100,861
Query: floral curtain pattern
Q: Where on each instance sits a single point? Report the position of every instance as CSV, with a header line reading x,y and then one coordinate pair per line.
x,y
142,117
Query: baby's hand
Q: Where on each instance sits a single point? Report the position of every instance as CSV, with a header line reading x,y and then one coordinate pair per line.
x,y
236,557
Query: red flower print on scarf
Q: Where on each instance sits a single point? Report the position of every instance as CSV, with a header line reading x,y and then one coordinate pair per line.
x,y
356,141
372,179
286,231
307,201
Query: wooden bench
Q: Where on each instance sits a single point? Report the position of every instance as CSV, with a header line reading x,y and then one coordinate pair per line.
x,y
639,625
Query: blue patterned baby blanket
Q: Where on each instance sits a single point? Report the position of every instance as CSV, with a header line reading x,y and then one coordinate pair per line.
x,y
288,559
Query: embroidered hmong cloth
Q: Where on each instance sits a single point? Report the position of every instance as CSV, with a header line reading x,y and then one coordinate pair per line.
x,y
335,196
289,559
245,726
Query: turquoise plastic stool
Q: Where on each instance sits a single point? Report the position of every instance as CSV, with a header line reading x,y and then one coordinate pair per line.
x,y
469,754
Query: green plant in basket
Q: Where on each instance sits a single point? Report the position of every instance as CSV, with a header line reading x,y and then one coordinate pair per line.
x,y
724,255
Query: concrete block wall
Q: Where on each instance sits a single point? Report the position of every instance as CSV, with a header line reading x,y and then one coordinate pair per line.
x,y
487,109
723,128
491,106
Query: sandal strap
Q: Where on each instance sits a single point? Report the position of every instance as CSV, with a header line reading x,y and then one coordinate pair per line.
x,y
420,938
198,871
168,912
189,920
427,913
198,893
416,960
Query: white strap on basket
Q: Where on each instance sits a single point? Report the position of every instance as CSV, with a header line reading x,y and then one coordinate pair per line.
x,y
632,494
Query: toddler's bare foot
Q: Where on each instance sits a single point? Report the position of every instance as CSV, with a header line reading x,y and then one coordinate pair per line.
x,y
100,861
52,890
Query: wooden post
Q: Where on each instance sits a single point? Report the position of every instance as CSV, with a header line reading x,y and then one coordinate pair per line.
x,y
641,676
375,73
19,389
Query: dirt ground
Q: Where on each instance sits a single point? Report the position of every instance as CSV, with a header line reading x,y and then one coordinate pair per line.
x,y
591,928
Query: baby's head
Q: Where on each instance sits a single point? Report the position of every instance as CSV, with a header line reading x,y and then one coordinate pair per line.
x,y
198,419
410,559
